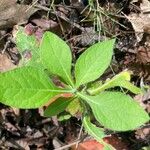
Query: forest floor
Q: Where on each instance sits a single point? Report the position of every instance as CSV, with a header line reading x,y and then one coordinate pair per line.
x,y
80,24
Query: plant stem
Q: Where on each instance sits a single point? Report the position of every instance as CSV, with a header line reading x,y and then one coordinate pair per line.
x,y
98,89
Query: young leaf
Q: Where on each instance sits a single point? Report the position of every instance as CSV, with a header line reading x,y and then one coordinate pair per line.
x,y
93,62
122,80
116,111
58,106
26,87
96,132
56,56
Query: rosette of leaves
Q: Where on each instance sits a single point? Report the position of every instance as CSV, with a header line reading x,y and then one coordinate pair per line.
x,y
32,87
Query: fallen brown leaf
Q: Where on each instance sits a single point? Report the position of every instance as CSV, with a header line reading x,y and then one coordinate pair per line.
x,y
5,63
143,100
141,21
143,133
12,13
92,144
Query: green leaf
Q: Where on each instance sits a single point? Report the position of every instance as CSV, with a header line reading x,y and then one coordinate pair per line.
x,y
25,41
27,44
93,62
122,80
58,106
97,133
26,87
56,56
116,111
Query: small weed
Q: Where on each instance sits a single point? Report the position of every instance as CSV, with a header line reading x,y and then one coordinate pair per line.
x,y
30,86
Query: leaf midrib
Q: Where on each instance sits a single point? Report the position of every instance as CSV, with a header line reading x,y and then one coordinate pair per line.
x,y
92,101
34,89
86,98
68,77
84,76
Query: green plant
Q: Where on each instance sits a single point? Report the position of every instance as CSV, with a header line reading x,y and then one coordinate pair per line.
x,y
31,87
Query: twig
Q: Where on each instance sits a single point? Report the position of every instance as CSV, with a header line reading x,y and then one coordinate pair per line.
x,y
5,47
69,145
32,5
62,17
79,137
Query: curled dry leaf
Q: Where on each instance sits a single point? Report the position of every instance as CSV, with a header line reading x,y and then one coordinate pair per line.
x,y
141,21
65,95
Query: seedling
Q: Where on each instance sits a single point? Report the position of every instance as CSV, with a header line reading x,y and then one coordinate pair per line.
x,y
30,86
